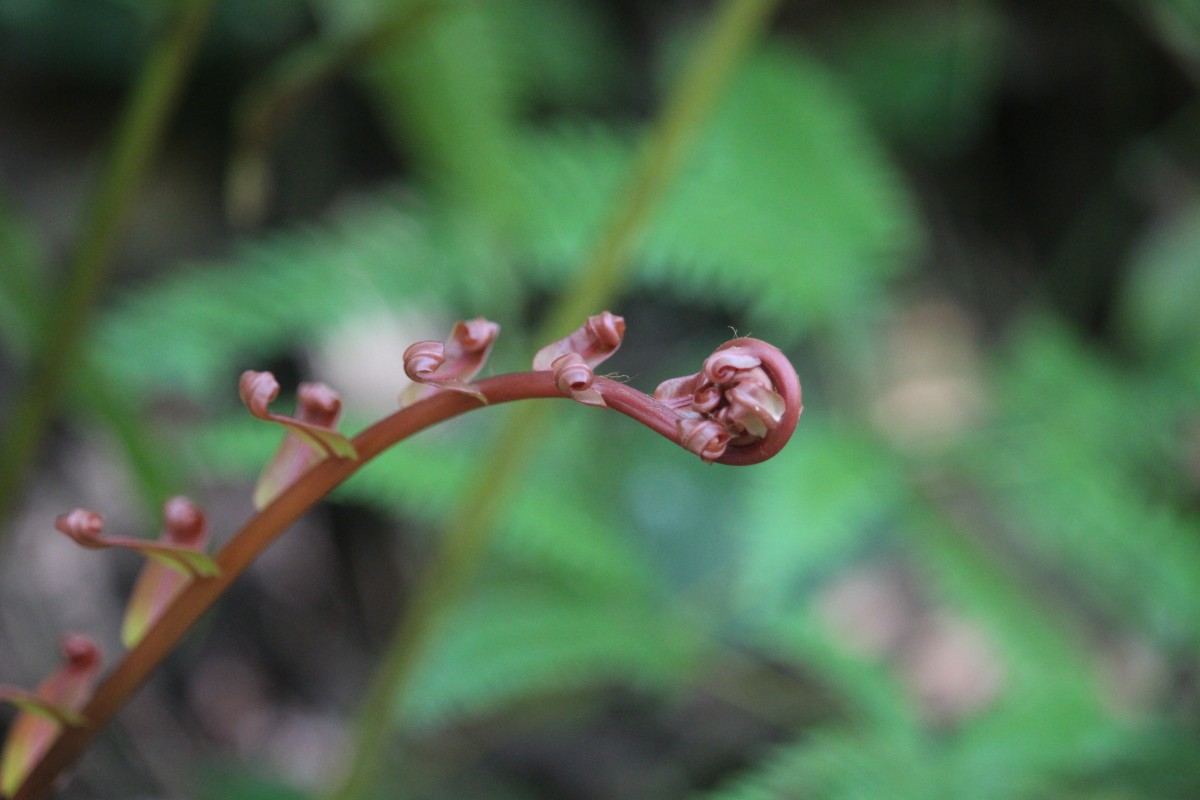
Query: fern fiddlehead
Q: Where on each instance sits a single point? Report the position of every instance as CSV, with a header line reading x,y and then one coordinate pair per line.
x,y
740,408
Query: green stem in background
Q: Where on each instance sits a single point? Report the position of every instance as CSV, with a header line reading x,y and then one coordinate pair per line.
x,y
268,102
732,31
155,469
21,291
452,567
139,134
23,309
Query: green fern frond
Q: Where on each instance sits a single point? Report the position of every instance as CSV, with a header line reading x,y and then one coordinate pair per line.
x,y
188,332
870,692
447,94
564,535
787,204
561,53
1160,308
455,92
560,533
841,765
1153,760
571,176
1031,742
1068,460
511,642
794,212
1039,652
788,185
805,514
925,75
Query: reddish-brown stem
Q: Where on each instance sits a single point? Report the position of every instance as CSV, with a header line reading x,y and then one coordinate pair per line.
x,y
264,527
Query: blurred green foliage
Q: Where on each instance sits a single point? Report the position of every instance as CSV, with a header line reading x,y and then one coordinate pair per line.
x,y
1027,483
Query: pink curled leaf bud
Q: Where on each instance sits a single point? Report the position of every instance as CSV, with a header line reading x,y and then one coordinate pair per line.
x,y
317,412
176,559
311,436
318,405
748,389
704,437
755,408
473,336
594,341
43,713
258,390
708,396
84,526
574,377
755,375
769,393
450,365
422,360
184,523
677,393
723,366
80,651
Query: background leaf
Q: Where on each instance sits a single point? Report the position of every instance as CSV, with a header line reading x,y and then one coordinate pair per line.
x,y
787,205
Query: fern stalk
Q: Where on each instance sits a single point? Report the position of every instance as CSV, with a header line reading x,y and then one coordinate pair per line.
x,y
268,102
308,489
254,537
139,135
730,34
